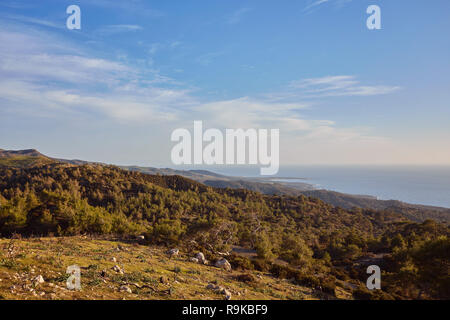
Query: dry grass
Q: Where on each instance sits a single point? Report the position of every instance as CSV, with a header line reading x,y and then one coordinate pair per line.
x,y
143,266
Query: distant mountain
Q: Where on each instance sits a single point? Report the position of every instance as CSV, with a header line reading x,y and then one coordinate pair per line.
x,y
414,212
22,158
14,153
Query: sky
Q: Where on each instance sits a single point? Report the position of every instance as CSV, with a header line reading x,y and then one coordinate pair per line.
x,y
339,93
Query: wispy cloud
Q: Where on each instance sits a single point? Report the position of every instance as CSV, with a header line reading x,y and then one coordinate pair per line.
x,y
329,86
16,5
135,7
316,4
118,28
43,76
237,16
343,85
43,73
34,21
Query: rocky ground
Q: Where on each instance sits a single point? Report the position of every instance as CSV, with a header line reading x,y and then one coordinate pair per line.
x,y
36,269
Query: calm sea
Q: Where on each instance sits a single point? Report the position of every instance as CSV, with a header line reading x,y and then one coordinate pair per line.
x,y
429,185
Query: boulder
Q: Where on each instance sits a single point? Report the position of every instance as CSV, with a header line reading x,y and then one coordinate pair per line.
x,y
125,289
194,260
224,264
227,294
38,280
201,258
117,269
212,286
173,252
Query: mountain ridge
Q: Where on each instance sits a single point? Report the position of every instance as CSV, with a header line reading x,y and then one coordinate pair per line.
x,y
414,212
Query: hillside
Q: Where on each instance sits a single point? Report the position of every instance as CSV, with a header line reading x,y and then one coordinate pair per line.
x,y
146,272
294,237
22,158
414,212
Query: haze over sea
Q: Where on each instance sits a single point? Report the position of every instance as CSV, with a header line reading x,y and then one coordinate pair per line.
x,y
428,185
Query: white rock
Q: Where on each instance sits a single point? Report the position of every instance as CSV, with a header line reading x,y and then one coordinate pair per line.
x,y
224,264
118,269
125,289
38,280
211,286
173,252
195,260
201,258
227,295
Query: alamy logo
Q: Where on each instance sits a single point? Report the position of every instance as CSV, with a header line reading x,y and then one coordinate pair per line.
x,y
74,20
374,281
374,20
74,280
234,150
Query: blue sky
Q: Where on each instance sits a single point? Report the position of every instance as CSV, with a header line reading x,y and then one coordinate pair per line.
x,y
339,93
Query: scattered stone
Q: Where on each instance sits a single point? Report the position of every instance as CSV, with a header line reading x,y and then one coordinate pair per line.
x,y
227,295
141,237
194,260
113,259
201,258
125,289
173,252
224,264
211,286
219,290
118,269
38,280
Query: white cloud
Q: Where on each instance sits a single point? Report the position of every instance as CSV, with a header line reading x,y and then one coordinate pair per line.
x,y
340,86
46,77
316,4
35,21
330,86
117,28
133,7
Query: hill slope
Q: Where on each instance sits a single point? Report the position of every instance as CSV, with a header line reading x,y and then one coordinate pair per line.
x,y
22,158
146,271
298,238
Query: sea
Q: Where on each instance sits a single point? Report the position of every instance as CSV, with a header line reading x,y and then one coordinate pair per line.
x,y
427,185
